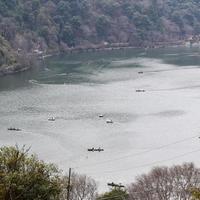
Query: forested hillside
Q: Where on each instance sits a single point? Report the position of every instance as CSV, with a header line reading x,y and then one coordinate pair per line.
x,y
61,24
6,53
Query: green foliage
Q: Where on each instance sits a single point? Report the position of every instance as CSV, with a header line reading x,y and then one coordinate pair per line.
x,y
75,21
7,56
196,193
115,194
24,177
67,35
109,7
58,24
102,26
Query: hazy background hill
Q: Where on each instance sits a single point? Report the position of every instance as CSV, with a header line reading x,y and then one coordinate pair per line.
x,y
60,24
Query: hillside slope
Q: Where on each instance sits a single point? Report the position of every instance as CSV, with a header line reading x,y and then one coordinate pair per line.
x,y
54,25
8,60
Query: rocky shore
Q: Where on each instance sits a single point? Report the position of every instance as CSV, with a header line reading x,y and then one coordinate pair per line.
x,y
12,69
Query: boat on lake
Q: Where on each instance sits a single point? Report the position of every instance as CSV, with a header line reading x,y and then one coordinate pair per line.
x,y
51,119
109,121
95,149
140,90
13,129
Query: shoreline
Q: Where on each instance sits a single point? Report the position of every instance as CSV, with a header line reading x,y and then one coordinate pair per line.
x,y
14,69
118,46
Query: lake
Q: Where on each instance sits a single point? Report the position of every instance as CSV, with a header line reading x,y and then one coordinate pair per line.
x,y
159,125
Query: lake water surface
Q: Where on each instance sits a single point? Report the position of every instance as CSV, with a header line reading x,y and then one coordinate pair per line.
x,y
157,127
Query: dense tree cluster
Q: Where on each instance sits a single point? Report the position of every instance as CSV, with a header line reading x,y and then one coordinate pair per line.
x,y
114,194
6,54
25,177
164,183
58,24
81,188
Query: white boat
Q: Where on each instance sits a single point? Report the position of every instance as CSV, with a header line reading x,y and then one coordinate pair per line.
x,y
101,116
51,119
109,121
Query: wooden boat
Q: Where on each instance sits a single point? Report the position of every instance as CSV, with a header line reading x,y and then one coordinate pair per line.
x,y
14,129
140,90
95,149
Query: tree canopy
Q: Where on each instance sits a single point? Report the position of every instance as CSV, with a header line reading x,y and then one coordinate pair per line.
x,y
57,25
25,177
114,194
73,23
166,183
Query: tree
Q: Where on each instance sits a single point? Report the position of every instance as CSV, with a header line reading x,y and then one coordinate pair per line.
x,y
102,26
164,183
67,35
24,177
76,22
81,188
195,193
114,194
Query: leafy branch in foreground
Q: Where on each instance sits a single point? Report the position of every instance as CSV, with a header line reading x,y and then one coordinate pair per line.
x,y
24,177
114,194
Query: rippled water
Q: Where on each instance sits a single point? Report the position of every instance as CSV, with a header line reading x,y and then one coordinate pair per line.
x,y
76,89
